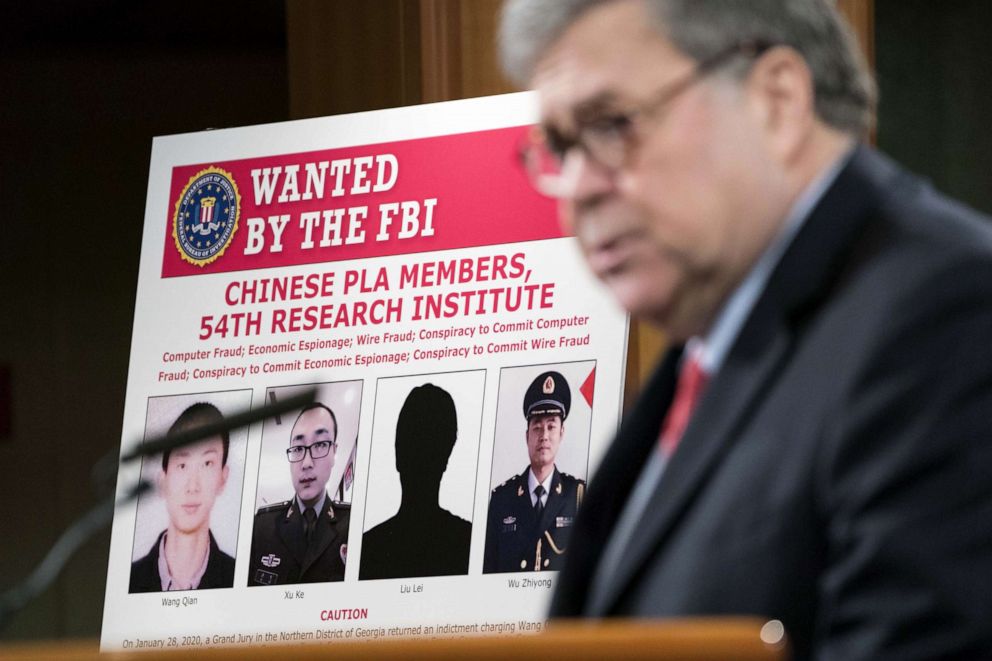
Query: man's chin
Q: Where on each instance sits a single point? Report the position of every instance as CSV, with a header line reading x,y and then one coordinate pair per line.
x,y
542,463
189,527
309,494
641,297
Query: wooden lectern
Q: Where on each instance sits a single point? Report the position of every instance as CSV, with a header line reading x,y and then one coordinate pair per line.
x,y
711,639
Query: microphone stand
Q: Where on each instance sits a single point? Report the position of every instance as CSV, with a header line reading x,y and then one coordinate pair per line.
x,y
81,530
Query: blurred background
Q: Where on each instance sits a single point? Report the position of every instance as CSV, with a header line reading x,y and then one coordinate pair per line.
x,y
86,84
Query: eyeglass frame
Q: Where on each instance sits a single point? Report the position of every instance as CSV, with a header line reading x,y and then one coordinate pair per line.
x,y
622,123
331,445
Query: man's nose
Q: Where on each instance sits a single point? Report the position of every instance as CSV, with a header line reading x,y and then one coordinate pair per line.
x,y
307,459
193,482
583,178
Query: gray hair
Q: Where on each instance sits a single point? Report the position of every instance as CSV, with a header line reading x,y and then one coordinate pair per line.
x,y
845,93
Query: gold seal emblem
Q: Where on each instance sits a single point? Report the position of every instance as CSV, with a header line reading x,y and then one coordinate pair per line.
x,y
206,216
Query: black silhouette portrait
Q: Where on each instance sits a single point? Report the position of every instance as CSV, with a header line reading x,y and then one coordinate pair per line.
x,y
422,539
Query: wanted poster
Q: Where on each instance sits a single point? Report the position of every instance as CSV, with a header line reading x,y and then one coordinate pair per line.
x,y
468,374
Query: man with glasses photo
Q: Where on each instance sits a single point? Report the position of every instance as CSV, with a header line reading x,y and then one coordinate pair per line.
x,y
303,540
815,446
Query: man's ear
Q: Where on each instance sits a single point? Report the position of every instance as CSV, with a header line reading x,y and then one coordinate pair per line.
x,y
224,473
780,89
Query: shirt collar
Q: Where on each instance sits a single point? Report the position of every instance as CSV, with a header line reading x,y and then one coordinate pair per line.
x,y
166,577
532,482
712,350
317,509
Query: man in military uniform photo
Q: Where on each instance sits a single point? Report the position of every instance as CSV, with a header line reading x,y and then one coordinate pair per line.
x,y
531,514
303,540
186,556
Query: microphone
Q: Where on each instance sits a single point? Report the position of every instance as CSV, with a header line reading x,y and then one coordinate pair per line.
x,y
81,530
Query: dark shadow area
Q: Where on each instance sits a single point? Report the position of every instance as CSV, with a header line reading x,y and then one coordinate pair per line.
x,y
934,77
86,85
423,539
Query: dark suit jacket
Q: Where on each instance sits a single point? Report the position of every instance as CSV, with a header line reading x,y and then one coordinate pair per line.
x,y
280,554
434,542
515,539
219,572
837,473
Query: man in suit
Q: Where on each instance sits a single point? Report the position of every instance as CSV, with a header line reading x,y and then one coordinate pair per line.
x,y
815,448
185,556
303,540
531,514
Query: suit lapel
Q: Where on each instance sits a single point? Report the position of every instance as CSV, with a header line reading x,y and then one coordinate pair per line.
x,y
809,267
554,503
722,410
525,495
610,487
208,580
290,531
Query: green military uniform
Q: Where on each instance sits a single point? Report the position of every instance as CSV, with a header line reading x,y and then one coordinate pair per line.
x,y
280,554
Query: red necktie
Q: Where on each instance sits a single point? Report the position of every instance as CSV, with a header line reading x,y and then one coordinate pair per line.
x,y
692,381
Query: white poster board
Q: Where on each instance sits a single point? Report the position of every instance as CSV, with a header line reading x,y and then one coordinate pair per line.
x,y
400,262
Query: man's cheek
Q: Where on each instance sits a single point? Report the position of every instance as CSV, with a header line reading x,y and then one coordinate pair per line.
x,y
566,217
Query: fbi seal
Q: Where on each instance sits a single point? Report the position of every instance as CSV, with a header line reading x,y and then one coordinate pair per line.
x,y
206,216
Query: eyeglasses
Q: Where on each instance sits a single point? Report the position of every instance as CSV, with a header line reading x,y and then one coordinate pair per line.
x,y
608,139
317,450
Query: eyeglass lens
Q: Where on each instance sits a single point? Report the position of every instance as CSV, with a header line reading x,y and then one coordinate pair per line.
x,y
317,450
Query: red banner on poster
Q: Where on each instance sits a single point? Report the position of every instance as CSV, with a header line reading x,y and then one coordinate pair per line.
x,y
352,203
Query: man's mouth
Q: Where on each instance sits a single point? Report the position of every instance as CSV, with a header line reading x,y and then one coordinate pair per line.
x,y
305,481
610,256
191,509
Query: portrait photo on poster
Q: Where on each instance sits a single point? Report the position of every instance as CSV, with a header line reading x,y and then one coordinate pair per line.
x,y
305,477
422,474
540,464
186,528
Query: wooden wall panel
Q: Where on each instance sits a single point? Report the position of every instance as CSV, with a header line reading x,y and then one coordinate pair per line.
x,y
459,54
441,52
861,15
481,74
351,56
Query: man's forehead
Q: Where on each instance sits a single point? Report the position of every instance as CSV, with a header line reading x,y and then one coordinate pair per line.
x,y
209,446
300,432
314,421
609,53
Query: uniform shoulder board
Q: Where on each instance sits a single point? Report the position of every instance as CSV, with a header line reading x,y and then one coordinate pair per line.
x,y
276,507
505,482
340,505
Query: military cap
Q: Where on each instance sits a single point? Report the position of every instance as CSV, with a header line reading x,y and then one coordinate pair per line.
x,y
548,394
